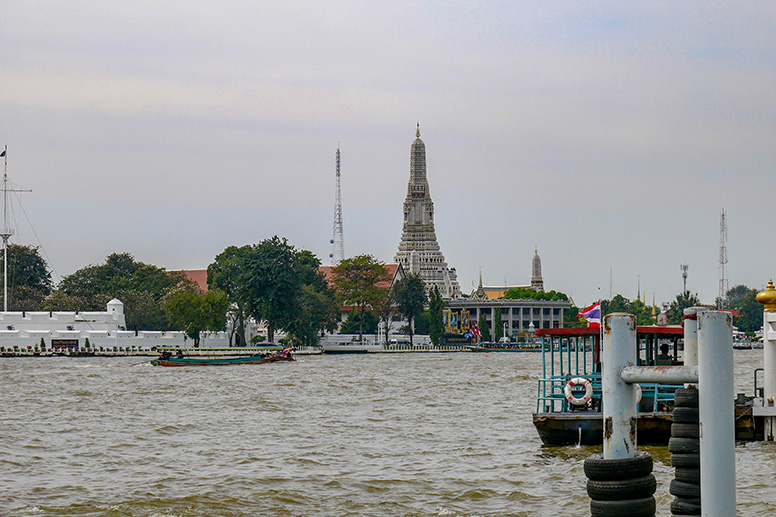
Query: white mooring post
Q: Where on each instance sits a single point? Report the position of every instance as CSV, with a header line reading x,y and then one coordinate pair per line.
x,y
768,408
691,335
618,397
717,414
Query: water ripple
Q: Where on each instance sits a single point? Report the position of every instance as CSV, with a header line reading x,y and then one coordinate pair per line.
x,y
391,435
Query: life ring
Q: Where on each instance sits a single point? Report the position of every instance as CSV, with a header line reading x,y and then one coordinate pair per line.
x,y
638,392
578,381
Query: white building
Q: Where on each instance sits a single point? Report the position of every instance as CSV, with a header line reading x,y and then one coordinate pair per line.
x,y
66,329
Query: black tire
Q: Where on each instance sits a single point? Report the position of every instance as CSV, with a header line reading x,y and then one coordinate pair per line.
x,y
682,507
684,445
638,488
644,507
599,469
686,415
682,489
686,397
686,461
688,475
685,430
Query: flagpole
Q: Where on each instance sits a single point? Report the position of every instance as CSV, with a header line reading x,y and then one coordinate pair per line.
x,y
5,233
6,230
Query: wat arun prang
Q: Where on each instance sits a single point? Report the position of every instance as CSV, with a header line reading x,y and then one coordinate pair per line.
x,y
419,250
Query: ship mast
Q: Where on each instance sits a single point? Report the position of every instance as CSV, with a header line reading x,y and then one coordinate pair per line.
x,y
6,230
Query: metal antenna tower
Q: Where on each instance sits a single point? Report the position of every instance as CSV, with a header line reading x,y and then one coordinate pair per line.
x,y
337,254
684,268
723,281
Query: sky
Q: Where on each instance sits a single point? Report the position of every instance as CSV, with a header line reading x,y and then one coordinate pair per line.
x,y
607,135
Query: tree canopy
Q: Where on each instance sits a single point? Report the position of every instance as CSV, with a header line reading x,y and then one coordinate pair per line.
x,y
272,281
436,325
224,274
141,288
498,324
636,307
683,301
358,280
355,323
749,311
411,299
527,293
193,311
29,278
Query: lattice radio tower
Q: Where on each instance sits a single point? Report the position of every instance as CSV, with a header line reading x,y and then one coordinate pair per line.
x,y
337,254
723,282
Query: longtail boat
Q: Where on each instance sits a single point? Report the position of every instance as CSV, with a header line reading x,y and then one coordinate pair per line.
x,y
167,359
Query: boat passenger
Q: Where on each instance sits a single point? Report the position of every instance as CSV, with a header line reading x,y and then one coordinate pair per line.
x,y
664,358
180,354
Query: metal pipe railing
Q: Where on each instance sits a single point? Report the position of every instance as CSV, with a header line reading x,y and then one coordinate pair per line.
x,y
713,373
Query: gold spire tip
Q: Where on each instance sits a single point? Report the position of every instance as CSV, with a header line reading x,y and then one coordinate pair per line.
x,y
768,297
417,132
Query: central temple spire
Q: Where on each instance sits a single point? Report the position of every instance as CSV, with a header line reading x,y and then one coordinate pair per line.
x,y
418,250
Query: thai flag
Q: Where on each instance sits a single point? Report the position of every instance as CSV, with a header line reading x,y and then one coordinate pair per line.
x,y
474,329
593,315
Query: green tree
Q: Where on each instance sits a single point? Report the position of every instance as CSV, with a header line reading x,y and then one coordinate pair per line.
x,y
384,305
355,323
422,323
636,307
484,327
195,312
498,324
317,304
750,313
29,278
411,299
358,280
527,293
571,318
743,300
436,323
271,283
224,273
677,307
141,287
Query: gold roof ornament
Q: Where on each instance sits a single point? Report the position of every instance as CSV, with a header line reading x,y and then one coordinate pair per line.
x,y
417,132
768,297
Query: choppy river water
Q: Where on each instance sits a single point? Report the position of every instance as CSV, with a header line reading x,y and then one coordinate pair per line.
x,y
373,435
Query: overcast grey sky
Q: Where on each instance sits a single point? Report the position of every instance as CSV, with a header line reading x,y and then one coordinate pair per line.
x,y
609,134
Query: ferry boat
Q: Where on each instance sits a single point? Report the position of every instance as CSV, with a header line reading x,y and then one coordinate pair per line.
x,y
355,346
506,347
571,360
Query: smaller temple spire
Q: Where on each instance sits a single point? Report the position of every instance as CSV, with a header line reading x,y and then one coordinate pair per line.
x,y
417,132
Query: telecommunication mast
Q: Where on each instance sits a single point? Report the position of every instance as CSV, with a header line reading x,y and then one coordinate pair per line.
x,y
337,254
723,281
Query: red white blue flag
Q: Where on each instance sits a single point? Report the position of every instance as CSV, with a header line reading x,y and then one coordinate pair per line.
x,y
592,314
474,329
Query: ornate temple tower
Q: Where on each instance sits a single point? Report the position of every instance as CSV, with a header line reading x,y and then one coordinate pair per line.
x,y
418,250
537,284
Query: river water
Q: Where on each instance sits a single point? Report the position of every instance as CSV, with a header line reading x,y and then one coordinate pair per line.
x,y
375,435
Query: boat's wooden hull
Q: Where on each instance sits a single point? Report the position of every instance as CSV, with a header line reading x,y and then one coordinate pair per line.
x,y
497,349
586,427
220,361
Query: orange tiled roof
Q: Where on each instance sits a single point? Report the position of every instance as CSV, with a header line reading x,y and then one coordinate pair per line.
x,y
391,268
199,276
